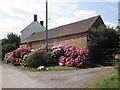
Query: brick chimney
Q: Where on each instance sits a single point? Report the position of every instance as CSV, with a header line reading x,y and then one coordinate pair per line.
x,y
41,22
35,17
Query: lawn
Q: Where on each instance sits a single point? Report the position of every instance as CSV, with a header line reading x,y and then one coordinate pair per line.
x,y
62,68
109,81
51,68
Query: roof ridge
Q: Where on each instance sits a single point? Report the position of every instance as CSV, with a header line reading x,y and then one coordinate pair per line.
x,y
75,22
94,20
30,24
68,29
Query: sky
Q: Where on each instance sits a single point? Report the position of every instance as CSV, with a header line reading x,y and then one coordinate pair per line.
x,y
15,15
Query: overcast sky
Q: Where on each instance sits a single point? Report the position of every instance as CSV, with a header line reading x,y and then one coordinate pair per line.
x,y
15,15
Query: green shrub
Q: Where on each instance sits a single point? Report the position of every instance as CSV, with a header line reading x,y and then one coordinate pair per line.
x,y
55,53
100,39
36,59
10,43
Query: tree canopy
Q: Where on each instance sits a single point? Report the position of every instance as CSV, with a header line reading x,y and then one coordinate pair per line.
x,y
103,38
10,43
102,41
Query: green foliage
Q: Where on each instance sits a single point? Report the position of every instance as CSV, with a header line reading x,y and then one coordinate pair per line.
x,y
8,47
36,59
55,55
102,38
4,41
10,43
118,51
62,68
50,68
50,60
22,67
110,81
13,38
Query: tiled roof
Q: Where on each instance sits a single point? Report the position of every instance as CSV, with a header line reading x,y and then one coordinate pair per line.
x,y
72,28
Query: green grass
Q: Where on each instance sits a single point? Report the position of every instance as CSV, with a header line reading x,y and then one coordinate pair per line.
x,y
95,65
62,68
51,68
27,68
110,81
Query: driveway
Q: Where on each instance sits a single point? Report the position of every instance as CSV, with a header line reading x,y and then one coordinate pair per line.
x,y
16,78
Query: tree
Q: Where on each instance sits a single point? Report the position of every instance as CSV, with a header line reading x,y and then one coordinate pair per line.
x,y
10,43
118,31
102,38
13,38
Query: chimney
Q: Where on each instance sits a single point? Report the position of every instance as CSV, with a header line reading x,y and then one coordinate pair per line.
x,y
35,17
41,22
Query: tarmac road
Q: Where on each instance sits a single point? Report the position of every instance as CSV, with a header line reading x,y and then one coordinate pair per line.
x,y
16,78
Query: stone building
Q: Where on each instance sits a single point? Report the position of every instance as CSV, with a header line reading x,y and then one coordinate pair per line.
x,y
71,34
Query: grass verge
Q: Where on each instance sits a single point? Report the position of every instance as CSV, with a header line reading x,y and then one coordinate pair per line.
x,y
62,68
110,81
27,68
51,68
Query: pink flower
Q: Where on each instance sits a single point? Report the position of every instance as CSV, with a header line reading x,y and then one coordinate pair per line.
x,y
17,62
71,56
86,51
70,63
62,60
80,64
68,59
13,56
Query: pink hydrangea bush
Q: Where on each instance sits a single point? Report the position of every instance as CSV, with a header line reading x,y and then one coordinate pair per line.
x,y
17,56
70,56
55,53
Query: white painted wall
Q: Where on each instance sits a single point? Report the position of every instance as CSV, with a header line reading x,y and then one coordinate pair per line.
x,y
29,30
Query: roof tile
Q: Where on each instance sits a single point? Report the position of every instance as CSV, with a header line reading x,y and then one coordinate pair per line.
x,y
72,28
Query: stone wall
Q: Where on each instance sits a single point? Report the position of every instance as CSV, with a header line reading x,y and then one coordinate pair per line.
x,y
78,40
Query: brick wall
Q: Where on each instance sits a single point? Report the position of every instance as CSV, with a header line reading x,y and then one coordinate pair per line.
x,y
78,40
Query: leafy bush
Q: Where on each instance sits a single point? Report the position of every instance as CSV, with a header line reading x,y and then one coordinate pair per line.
x,y
36,59
69,56
55,53
16,56
102,38
10,43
